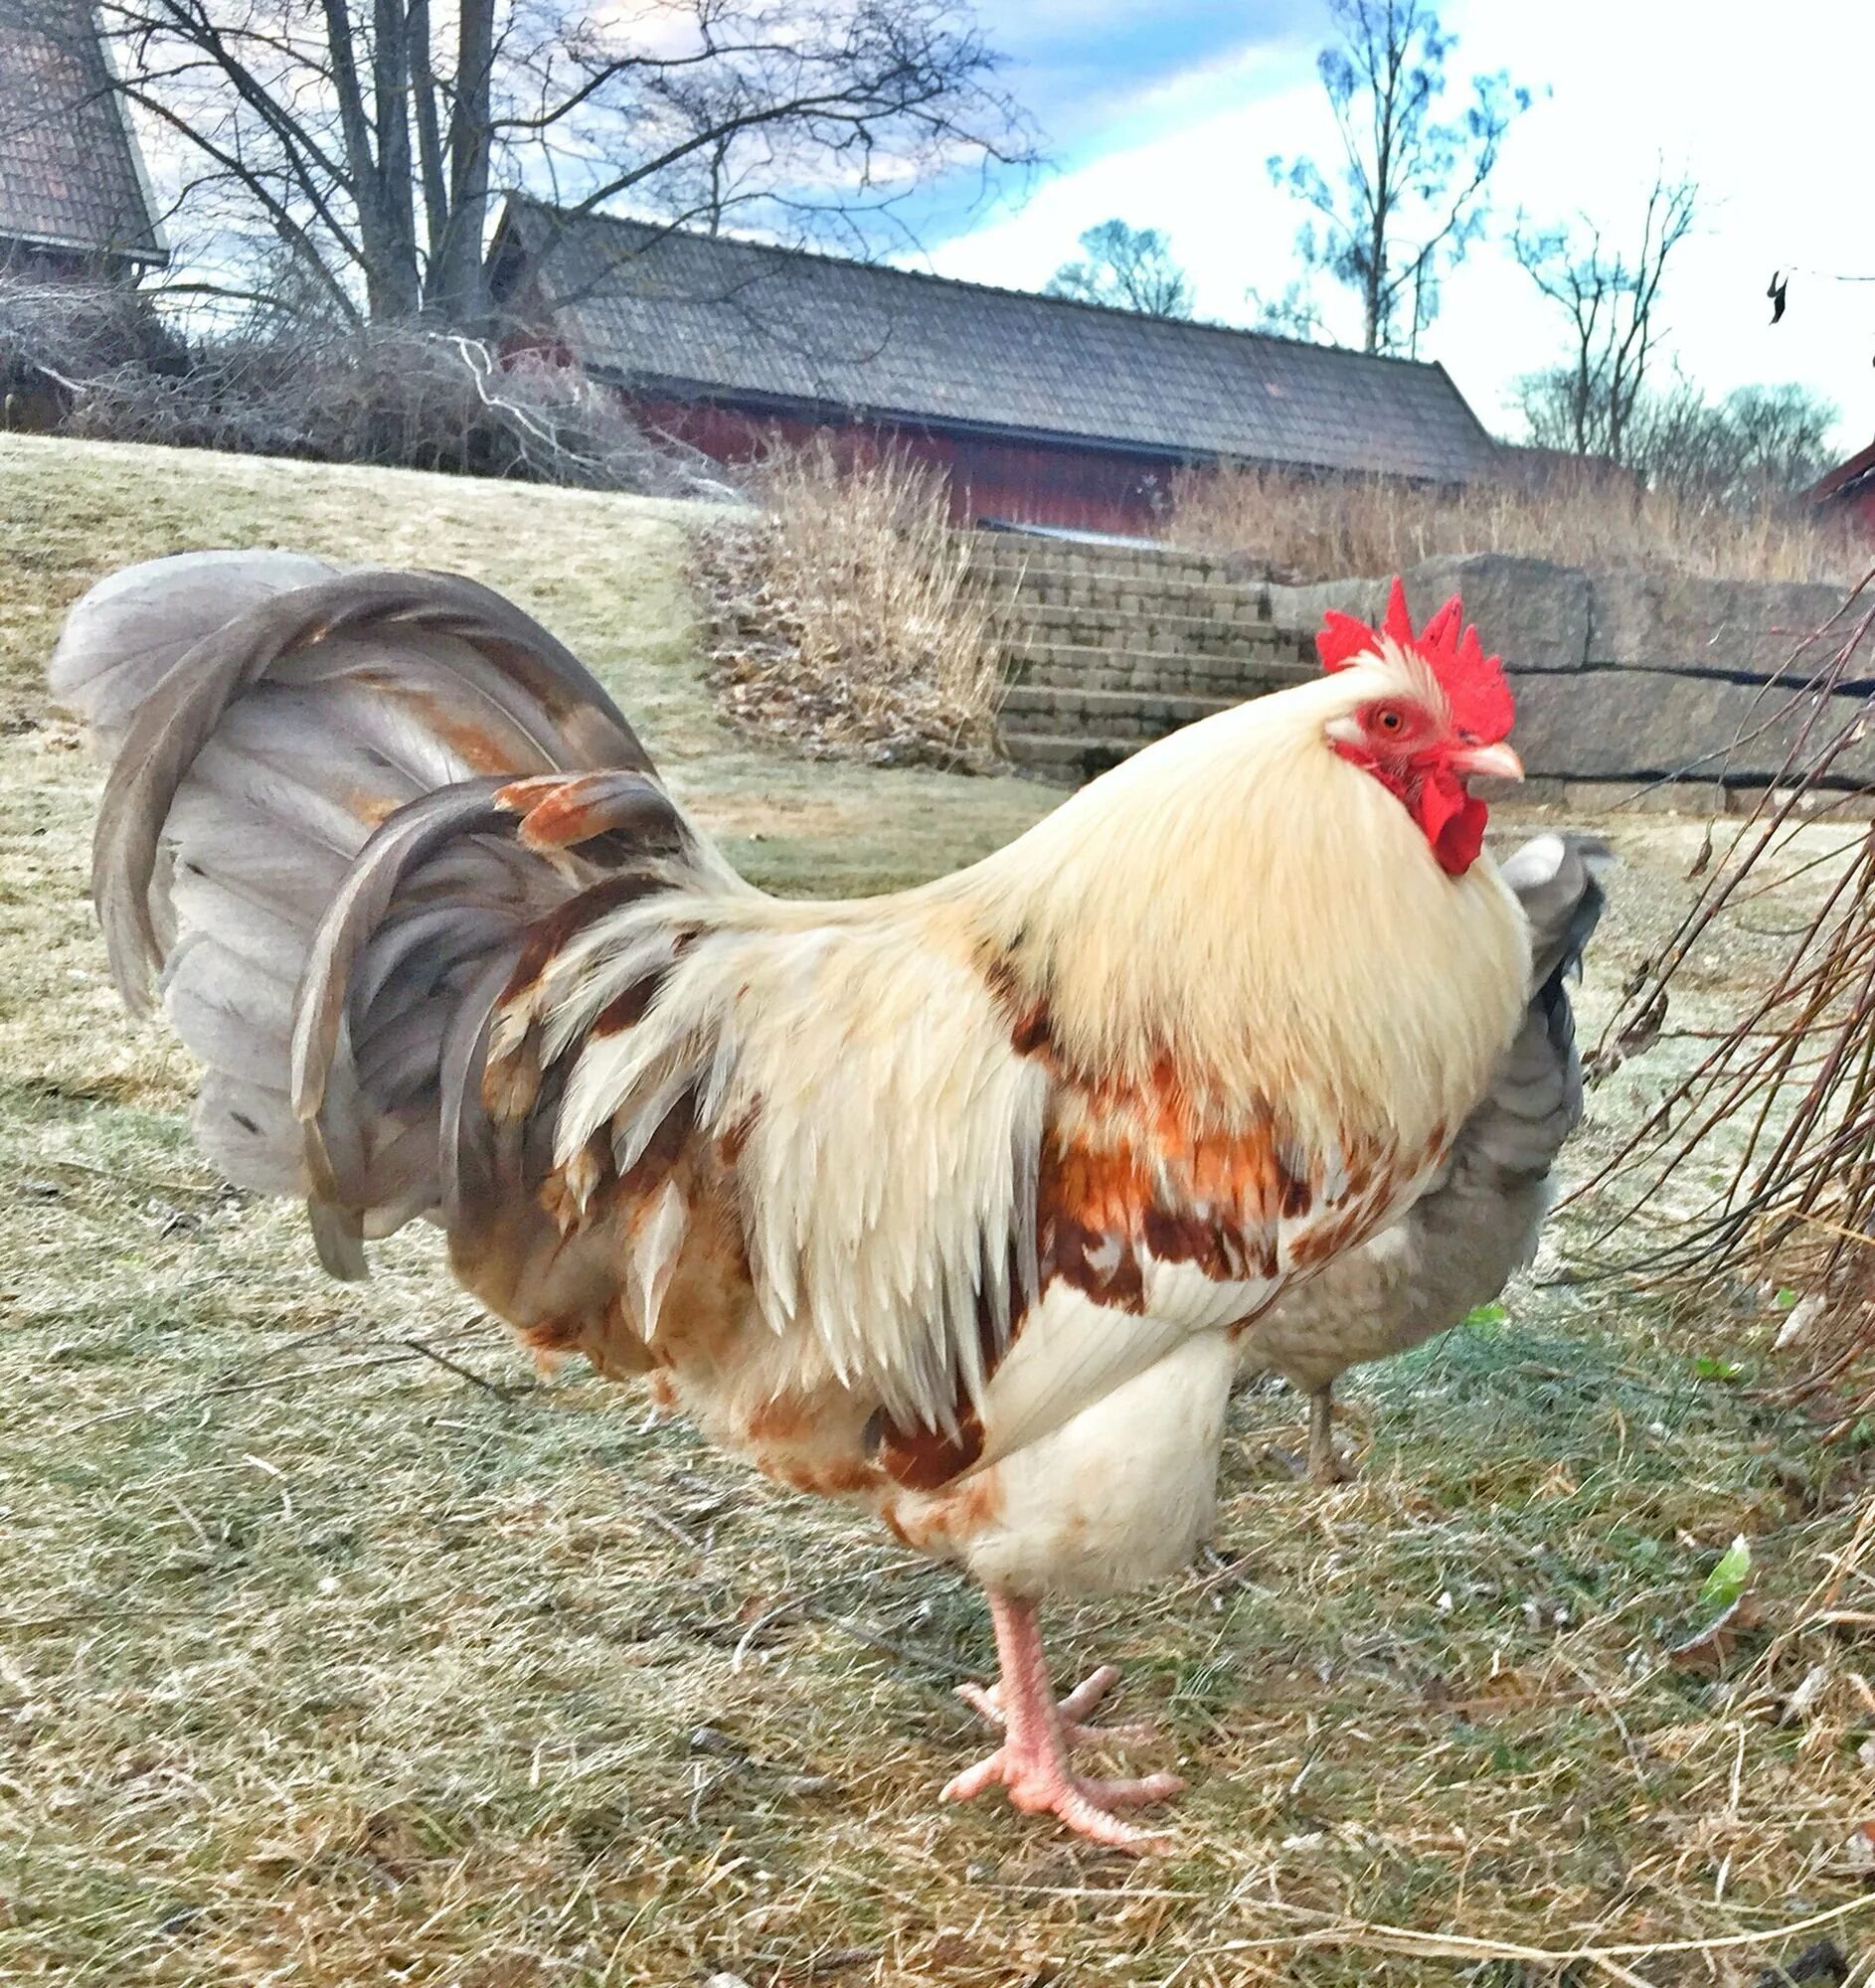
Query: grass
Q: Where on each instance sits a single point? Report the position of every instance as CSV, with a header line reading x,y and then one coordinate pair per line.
x,y
323,1662
1308,529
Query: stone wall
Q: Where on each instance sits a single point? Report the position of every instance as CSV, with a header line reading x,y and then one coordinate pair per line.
x,y
1632,688
1625,680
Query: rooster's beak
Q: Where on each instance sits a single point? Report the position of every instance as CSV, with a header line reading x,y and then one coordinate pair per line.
x,y
1498,763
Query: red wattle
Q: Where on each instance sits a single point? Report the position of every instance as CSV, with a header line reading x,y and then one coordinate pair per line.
x,y
1452,821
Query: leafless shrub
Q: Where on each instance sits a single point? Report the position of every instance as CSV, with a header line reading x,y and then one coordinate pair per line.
x,y
395,397
1320,528
55,336
846,619
1757,1165
398,396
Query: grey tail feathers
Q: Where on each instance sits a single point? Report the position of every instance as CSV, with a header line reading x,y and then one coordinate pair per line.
x,y
1557,879
1535,1098
312,842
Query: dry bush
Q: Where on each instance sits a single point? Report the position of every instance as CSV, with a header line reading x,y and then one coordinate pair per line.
x,y
54,336
1753,1172
397,397
1321,528
846,619
393,396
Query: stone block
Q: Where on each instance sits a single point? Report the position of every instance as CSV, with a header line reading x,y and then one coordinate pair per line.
x,y
1635,724
1700,799
1532,612
1752,628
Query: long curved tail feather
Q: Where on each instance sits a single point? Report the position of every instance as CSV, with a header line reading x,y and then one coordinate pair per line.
x,y
337,804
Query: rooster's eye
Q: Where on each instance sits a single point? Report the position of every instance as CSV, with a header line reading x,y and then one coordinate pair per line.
x,y
1388,719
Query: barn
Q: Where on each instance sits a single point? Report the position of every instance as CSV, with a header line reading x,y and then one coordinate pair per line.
x,y
1849,490
73,197
1042,410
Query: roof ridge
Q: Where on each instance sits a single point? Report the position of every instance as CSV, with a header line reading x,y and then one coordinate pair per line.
x,y
1844,477
666,231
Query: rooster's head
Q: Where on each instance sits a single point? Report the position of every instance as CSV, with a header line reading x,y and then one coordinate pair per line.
x,y
1438,718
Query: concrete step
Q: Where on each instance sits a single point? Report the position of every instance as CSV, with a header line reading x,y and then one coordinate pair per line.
x,y
1167,633
1187,570
1157,672
1106,713
1112,595
1005,555
1066,759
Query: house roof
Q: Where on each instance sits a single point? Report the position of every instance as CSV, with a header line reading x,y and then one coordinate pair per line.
x,y
717,318
1848,481
70,176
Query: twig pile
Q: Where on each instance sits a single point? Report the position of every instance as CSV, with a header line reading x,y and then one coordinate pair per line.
x,y
98,365
846,618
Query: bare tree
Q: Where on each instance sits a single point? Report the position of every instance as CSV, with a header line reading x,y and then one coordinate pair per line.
x,y
1129,267
1409,198
1757,444
352,146
1611,298
1293,315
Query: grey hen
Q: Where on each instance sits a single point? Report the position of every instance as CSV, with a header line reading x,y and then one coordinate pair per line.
x,y
1456,1247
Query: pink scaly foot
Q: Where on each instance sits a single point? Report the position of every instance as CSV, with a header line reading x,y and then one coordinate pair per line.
x,y
1072,1711
1031,1764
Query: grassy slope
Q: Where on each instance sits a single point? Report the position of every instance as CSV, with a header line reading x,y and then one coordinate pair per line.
x,y
321,1663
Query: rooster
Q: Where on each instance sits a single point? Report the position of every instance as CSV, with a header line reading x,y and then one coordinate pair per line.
x,y
948,1202
1457,1245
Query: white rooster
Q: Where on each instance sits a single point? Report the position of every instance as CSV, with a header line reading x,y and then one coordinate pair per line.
x,y
951,1203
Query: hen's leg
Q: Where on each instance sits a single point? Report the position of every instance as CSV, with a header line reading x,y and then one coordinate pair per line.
x,y
1324,1466
1032,1762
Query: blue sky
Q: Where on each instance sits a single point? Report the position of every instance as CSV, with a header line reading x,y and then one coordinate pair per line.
x,y
1164,113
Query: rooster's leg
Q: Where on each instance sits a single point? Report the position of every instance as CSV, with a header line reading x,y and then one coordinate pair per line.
x,y
1324,1466
1032,1762
1086,1697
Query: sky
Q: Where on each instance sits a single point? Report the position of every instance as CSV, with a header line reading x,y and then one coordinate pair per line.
x,y
1163,115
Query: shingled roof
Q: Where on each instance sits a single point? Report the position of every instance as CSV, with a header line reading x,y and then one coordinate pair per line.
x,y
70,178
709,317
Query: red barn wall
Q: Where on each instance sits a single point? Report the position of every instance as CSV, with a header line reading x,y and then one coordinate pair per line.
x,y
1035,483
1847,493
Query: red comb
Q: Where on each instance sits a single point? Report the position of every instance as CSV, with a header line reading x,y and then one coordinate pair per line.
x,y
1474,682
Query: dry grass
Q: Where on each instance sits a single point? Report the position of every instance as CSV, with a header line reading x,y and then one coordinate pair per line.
x,y
1313,529
322,1664
846,621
